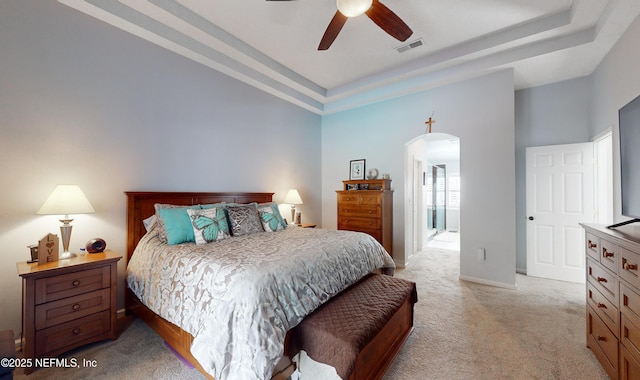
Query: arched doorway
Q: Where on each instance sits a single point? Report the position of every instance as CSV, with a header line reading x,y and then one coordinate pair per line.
x,y
432,193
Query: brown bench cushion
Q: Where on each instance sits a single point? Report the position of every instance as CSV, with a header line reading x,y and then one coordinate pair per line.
x,y
337,331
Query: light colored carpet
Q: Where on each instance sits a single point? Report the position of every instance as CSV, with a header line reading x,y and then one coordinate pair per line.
x,y
462,331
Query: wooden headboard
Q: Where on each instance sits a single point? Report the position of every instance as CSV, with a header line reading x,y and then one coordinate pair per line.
x,y
140,206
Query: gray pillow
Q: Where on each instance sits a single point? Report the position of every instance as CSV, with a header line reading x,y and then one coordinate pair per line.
x,y
244,219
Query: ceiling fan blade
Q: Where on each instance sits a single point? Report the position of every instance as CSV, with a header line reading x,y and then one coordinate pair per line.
x,y
336,24
389,21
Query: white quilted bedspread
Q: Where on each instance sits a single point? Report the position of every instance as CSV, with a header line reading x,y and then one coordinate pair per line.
x,y
239,296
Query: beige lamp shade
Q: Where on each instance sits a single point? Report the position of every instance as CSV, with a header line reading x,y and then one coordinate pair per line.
x,y
65,200
293,197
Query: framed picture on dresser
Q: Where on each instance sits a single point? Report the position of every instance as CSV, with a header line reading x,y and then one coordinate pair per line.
x,y
356,169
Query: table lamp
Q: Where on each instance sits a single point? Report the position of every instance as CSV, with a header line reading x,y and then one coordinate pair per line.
x,y
293,198
65,200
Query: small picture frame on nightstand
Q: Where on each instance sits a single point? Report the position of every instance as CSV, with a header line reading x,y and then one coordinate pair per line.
x,y
352,186
33,249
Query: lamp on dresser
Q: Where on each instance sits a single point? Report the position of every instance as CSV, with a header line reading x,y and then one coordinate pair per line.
x,y
293,198
65,200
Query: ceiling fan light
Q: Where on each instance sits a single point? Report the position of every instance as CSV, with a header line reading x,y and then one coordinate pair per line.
x,y
353,8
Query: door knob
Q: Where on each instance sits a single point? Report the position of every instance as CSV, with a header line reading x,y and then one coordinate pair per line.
x,y
531,218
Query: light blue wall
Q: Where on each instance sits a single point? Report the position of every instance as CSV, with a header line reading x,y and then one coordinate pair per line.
x,y
558,113
616,82
85,103
485,126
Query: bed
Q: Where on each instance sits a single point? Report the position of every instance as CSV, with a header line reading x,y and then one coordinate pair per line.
x,y
192,331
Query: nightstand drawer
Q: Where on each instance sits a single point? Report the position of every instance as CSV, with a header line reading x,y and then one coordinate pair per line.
x,y
67,309
58,338
71,284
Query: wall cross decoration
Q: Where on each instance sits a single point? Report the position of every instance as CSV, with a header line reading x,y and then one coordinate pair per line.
x,y
429,123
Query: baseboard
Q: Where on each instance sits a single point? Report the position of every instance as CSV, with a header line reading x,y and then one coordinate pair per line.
x,y
521,271
120,313
487,282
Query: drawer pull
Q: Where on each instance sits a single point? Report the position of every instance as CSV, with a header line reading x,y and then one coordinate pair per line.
x,y
602,338
370,212
628,266
75,283
76,331
76,307
606,253
592,245
602,306
602,279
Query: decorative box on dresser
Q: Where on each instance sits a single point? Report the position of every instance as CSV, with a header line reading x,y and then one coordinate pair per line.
x,y
613,298
68,303
367,206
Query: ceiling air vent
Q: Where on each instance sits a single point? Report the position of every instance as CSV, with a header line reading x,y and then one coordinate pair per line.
x,y
410,45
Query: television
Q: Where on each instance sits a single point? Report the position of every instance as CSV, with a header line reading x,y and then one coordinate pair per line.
x,y
629,125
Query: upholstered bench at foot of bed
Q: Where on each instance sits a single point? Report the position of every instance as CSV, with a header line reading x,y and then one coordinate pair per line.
x,y
360,339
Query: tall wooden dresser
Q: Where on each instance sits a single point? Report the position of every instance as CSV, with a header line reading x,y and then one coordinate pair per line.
x,y
367,206
613,298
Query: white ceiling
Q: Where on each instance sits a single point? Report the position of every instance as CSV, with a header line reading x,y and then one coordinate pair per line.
x,y
272,45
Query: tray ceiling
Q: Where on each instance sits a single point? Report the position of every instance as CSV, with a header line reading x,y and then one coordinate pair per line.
x,y
272,45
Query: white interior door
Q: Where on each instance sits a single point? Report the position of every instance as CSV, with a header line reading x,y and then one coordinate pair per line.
x,y
559,185
417,209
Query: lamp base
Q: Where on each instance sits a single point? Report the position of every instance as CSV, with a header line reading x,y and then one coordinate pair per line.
x,y
66,255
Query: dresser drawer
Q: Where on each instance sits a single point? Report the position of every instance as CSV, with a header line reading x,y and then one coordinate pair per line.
x,y
370,199
629,264
629,367
630,334
604,308
603,280
593,246
365,211
609,255
629,300
602,342
71,284
58,338
351,198
345,223
376,234
60,311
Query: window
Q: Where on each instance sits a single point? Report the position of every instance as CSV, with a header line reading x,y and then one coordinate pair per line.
x,y
453,193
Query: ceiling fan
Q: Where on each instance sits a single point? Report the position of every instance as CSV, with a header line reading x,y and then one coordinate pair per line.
x,y
377,12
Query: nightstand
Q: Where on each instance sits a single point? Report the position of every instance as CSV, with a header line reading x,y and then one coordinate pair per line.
x,y
68,303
